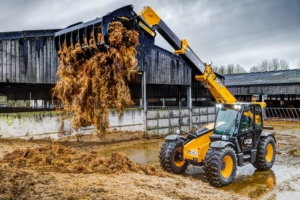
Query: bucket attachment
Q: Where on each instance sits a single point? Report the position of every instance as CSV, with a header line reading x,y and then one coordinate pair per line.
x,y
83,33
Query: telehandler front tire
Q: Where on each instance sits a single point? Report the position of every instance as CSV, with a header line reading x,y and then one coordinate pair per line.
x,y
220,166
266,154
171,157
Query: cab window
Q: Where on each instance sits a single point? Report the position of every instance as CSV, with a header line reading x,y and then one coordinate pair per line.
x,y
247,120
245,124
258,117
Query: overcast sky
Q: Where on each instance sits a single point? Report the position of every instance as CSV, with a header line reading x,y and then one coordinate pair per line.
x,y
233,31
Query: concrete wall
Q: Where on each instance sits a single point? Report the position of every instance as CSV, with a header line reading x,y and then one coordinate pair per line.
x,y
159,122
51,124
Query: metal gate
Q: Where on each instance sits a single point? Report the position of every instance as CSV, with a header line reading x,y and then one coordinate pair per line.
x,y
288,114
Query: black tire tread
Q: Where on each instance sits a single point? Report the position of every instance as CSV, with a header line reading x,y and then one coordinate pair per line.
x,y
260,162
212,162
166,157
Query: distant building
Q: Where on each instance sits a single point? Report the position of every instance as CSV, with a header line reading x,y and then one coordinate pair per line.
x,y
277,88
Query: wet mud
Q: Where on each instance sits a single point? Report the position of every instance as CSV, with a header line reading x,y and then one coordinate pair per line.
x,y
55,171
87,170
58,158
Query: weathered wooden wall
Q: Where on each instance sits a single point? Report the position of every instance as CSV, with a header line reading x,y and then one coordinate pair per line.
x,y
32,59
28,57
163,67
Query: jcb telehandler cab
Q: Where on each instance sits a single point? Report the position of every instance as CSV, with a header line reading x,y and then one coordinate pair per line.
x,y
234,139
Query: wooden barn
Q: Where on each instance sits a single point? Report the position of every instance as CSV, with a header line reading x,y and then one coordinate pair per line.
x,y
28,66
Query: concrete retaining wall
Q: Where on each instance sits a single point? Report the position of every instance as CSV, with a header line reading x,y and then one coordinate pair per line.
x,y
39,125
159,122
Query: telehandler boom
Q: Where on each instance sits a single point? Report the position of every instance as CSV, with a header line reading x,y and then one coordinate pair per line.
x,y
235,139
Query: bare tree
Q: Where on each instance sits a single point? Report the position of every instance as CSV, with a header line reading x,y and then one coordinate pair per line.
x,y
263,66
274,64
215,68
230,69
254,69
222,70
283,64
239,69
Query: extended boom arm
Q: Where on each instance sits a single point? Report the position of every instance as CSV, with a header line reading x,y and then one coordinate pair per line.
x,y
204,72
145,23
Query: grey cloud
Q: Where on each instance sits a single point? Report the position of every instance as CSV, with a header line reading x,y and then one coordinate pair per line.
x,y
241,32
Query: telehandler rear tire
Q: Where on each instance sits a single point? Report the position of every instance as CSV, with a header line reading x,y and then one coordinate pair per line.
x,y
220,166
266,154
171,157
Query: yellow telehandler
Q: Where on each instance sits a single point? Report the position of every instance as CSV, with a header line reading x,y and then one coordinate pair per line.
x,y
237,136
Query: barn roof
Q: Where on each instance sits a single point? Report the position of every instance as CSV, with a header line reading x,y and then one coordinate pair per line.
x,y
27,34
263,78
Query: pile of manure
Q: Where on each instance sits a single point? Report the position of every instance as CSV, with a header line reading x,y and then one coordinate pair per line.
x,y
92,80
62,159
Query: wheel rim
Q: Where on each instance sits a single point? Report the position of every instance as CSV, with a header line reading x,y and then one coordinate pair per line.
x,y
227,166
269,152
178,159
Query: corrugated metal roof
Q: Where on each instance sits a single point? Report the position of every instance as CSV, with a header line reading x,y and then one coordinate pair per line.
x,y
263,78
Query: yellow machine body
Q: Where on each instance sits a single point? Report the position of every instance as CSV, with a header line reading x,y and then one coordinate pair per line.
x,y
196,149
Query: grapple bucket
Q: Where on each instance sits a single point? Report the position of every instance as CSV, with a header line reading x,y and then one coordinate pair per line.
x,y
81,33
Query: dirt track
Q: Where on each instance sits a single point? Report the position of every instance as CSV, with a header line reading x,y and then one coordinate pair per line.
x,y
72,170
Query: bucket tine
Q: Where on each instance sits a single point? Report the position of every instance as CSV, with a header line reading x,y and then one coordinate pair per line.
x,y
86,34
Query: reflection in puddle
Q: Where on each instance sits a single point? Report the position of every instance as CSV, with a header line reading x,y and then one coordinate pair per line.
x,y
254,185
247,182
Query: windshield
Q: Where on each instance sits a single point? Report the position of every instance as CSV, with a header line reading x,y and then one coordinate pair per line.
x,y
226,121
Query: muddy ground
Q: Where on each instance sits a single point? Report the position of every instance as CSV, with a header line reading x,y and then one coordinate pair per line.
x,y
45,169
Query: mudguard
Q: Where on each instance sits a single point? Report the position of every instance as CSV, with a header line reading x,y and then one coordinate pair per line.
x,y
221,144
266,134
175,137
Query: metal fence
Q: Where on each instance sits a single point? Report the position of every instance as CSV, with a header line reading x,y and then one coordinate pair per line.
x,y
289,114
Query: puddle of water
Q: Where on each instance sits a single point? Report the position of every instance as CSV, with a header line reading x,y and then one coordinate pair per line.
x,y
144,153
247,182
252,183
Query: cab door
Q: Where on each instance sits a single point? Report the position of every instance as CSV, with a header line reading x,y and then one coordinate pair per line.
x,y
258,123
247,131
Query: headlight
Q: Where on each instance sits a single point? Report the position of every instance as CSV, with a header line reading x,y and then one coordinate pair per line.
x,y
237,107
225,137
